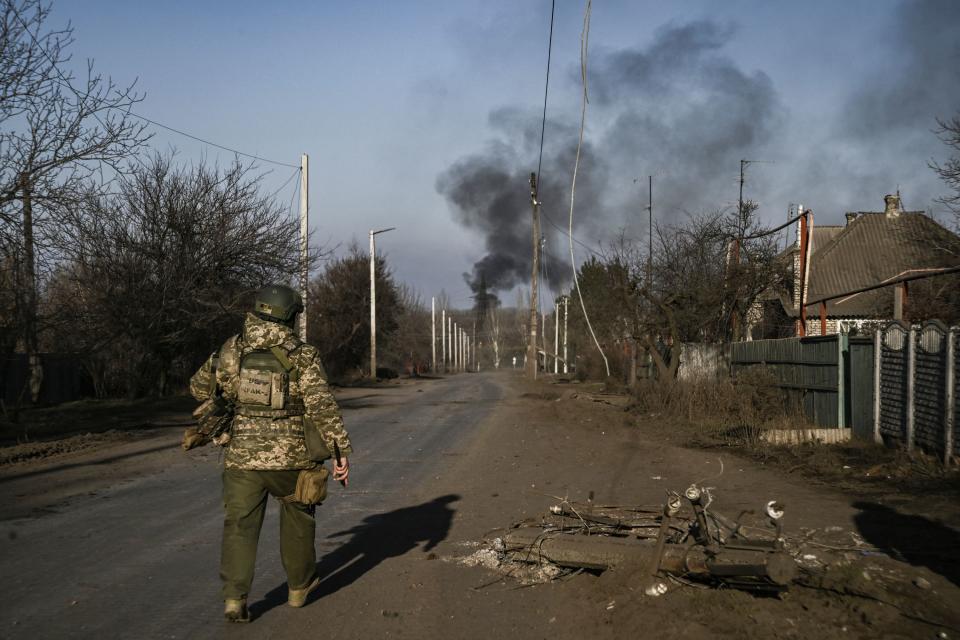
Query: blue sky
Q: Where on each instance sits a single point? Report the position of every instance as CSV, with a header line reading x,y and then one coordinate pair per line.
x,y
387,96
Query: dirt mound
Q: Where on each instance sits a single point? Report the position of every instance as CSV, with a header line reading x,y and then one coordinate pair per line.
x,y
32,451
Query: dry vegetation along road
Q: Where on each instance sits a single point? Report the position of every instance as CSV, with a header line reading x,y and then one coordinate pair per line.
x,y
121,539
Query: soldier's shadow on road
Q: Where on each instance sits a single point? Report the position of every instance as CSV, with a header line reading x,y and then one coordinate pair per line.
x,y
377,538
910,538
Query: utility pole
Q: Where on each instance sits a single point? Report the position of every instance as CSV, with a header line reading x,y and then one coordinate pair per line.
x,y
473,352
532,364
304,232
443,339
543,341
743,164
650,231
456,348
566,313
556,337
433,334
449,363
373,300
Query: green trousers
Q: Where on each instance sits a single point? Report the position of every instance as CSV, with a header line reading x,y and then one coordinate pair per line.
x,y
244,502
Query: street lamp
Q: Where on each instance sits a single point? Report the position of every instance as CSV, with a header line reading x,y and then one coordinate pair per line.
x,y
373,301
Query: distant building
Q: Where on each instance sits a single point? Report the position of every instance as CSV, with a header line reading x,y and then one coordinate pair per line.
x,y
871,248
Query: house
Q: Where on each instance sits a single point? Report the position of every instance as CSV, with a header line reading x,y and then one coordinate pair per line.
x,y
873,247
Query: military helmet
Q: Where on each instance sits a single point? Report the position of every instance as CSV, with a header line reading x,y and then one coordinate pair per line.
x,y
277,302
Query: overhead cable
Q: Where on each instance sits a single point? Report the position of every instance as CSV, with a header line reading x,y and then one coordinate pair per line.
x,y
584,41
212,144
546,89
67,83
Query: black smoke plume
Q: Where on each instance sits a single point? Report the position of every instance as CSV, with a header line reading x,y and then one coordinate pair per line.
x,y
677,108
684,112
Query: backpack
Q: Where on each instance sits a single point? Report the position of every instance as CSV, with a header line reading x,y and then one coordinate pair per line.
x,y
263,378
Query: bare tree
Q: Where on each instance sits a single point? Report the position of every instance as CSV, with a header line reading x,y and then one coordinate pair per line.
x,y
155,274
408,347
707,273
57,136
340,308
949,171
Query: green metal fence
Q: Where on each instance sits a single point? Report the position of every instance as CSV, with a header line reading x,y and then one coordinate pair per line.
x,y
810,369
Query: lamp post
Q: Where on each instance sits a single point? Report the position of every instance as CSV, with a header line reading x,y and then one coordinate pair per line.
x,y
373,301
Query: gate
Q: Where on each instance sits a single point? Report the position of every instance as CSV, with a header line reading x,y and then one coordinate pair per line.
x,y
859,383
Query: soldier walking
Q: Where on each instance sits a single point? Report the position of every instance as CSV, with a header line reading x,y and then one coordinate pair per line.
x,y
285,423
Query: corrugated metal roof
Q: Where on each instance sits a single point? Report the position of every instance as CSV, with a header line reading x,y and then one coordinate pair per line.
x,y
871,249
824,235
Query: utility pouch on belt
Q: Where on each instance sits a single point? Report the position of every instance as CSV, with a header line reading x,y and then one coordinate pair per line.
x,y
311,487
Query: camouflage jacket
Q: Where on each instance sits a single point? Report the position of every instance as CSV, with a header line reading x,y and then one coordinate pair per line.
x,y
275,443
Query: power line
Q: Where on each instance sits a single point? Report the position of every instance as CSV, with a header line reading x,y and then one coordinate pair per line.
x,y
65,81
284,185
212,144
584,42
572,237
293,197
546,88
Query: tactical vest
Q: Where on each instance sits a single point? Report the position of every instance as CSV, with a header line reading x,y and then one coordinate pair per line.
x,y
263,378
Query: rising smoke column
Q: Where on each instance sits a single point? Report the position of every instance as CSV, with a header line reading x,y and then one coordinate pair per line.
x,y
677,107
489,192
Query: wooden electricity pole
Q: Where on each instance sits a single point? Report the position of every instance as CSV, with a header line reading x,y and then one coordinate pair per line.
x,y
532,359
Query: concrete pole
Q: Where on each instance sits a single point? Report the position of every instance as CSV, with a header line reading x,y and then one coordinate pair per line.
x,y
373,309
911,393
566,313
433,334
556,337
456,350
449,363
900,301
443,339
304,232
543,332
373,301
877,371
950,415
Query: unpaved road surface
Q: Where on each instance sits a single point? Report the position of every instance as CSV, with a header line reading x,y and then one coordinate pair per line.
x,y
123,541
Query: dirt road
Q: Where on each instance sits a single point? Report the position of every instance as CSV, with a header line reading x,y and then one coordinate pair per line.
x,y
123,541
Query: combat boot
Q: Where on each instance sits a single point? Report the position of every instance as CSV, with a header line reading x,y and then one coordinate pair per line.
x,y
235,610
298,597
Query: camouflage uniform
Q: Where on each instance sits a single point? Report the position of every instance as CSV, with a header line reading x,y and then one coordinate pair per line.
x,y
265,453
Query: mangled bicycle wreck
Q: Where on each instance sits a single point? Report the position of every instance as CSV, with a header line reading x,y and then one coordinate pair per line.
x,y
683,540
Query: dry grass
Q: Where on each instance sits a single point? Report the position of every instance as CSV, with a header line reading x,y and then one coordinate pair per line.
x,y
732,414
730,411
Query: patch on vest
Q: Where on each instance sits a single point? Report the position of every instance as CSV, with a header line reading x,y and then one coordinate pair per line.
x,y
263,388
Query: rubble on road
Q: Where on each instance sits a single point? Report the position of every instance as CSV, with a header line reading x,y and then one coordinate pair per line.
x,y
686,542
683,539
